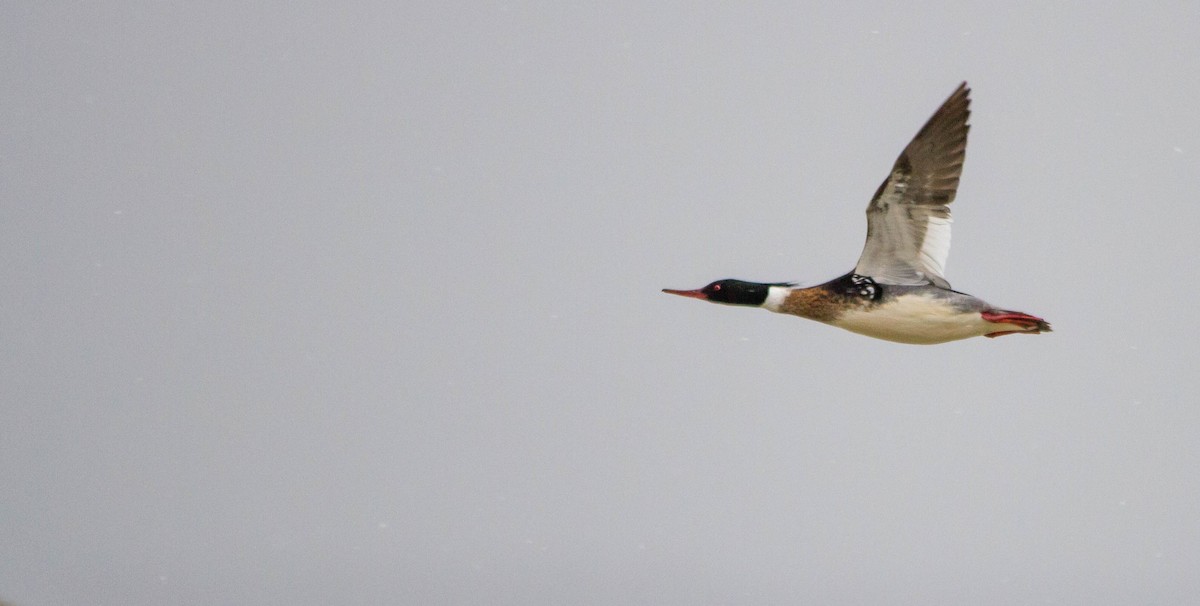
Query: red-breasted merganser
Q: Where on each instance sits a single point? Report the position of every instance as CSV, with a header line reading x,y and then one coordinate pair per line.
x,y
897,291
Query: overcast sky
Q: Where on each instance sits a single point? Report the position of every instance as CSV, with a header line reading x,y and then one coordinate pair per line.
x,y
359,304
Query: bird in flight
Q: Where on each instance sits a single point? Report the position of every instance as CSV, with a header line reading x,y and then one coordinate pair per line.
x,y
897,291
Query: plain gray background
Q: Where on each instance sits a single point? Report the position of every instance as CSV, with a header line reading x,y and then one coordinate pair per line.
x,y
359,304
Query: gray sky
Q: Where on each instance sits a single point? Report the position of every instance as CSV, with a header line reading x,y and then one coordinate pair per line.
x,y
359,304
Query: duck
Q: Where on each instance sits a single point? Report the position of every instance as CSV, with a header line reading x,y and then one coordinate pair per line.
x,y
898,291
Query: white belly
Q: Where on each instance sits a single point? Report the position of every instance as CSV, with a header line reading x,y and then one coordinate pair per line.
x,y
919,320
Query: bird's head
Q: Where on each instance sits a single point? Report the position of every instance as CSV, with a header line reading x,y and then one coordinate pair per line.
x,y
732,292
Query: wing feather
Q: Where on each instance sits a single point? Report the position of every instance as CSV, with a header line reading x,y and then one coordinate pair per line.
x,y
908,219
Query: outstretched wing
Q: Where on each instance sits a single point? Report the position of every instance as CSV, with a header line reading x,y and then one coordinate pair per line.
x,y
908,220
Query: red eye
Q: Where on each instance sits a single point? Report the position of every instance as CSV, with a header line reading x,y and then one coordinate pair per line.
x,y
716,287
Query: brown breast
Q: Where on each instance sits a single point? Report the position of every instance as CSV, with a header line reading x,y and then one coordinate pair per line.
x,y
820,303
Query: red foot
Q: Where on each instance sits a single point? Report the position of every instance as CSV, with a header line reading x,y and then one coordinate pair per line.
x,y
1031,324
